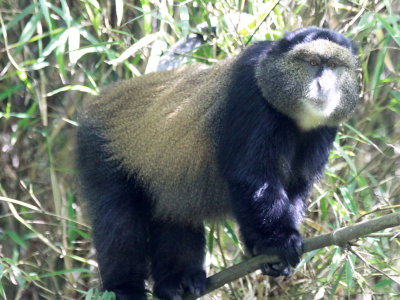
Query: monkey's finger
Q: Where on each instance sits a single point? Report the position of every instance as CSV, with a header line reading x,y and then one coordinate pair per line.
x,y
293,252
276,269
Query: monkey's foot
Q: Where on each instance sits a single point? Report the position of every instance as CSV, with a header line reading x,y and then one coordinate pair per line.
x,y
288,248
276,270
173,286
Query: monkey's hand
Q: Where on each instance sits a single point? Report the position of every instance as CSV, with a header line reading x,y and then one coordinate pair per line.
x,y
287,246
268,222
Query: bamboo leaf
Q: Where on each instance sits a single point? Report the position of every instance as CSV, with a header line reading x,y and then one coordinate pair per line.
x,y
119,10
26,11
143,42
29,29
46,13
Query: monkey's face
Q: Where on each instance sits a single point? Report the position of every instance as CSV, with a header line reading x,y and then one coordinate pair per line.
x,y
314,83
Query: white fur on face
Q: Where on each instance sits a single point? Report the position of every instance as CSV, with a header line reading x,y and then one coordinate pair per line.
x,y
322,98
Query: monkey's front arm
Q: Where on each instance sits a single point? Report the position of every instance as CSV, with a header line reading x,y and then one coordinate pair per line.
x,y
268,221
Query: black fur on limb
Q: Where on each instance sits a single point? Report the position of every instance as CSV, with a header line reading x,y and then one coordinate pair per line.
x,y
339,237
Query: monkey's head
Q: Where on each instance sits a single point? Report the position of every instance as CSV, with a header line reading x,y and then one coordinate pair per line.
x,y
311,75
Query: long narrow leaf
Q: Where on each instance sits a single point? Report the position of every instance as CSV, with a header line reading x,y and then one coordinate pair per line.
x,y
46,14
26,11
29,29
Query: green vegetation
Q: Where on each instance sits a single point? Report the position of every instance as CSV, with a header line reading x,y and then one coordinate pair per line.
x,y
54,53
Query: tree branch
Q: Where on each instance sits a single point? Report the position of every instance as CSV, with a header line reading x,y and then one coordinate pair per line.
x,y
338,237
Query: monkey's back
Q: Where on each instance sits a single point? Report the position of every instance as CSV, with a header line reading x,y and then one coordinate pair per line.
x,y
160,128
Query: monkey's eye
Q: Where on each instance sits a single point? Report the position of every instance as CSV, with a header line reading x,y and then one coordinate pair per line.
x,y
331,65
314,62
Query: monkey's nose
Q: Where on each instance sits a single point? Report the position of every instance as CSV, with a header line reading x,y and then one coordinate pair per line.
x,y
326,82
319,86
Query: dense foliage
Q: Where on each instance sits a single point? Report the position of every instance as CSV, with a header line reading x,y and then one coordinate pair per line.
x,y
54,53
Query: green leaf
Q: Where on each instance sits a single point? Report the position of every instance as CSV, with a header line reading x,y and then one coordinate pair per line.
x,y
384,283
146,9
45,11
363,137
310,255
66,15
365,192
108,296
344,155
95,3
366,22
231,233
335,260
62,272
143,42
393,31
94,48
10,91
26,11
28,30
335,286
379,66
60,55
349,276
17,239
211,238
58,40
348,200
89,294
73,44
2,291
76,87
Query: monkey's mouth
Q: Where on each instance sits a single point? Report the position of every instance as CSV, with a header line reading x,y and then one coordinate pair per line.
x,y
323,101
323,105
319,102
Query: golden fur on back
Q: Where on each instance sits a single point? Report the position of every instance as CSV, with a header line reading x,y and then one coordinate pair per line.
x,y
161,132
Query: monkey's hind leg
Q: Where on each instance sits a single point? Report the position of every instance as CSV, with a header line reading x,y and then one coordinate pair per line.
x,y
177,256
119,215
120,235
